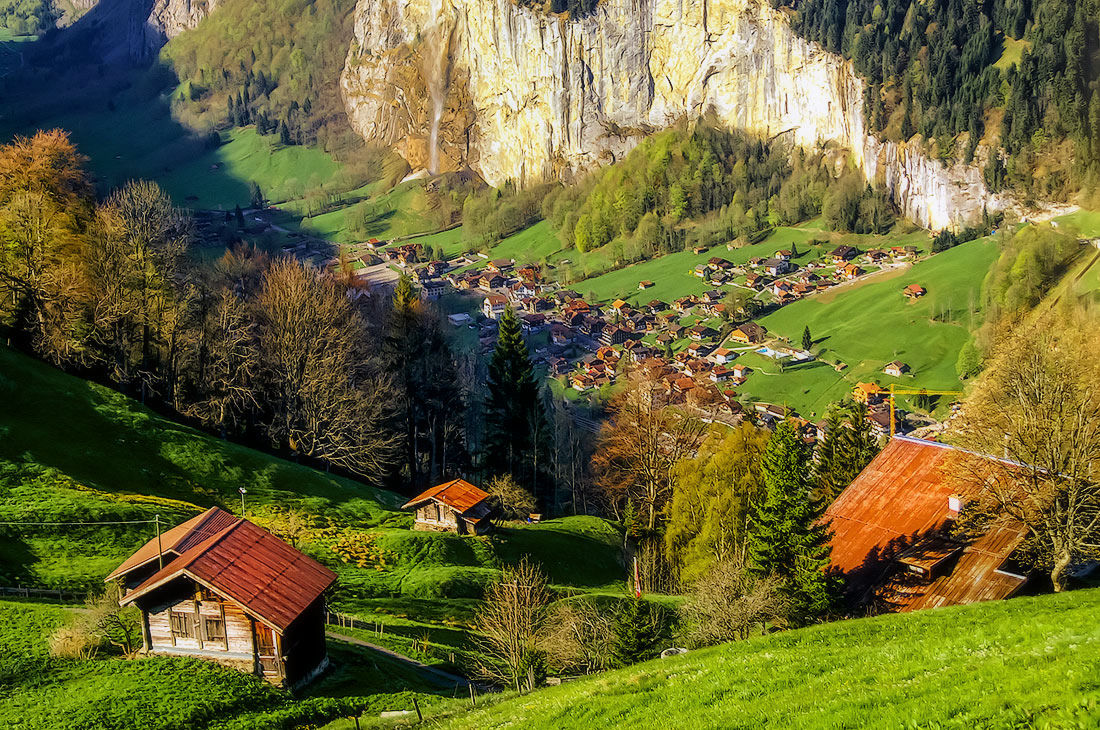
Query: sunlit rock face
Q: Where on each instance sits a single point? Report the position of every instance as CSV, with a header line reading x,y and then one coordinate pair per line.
x,y
529,96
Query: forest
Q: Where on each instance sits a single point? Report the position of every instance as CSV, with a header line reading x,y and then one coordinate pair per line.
x,y
932,69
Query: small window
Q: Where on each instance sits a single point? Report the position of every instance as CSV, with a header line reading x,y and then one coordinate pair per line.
x,y
215,629
182,625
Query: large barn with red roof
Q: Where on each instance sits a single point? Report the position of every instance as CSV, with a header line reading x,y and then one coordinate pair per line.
x,y
892,536
219,587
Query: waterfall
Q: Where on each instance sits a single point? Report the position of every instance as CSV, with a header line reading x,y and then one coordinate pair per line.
x,y
436,49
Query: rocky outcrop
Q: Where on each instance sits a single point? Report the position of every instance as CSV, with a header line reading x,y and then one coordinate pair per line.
x,y
131,31
171,17
531,96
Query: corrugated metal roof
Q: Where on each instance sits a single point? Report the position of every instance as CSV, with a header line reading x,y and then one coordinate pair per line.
x,y
457,494
177,540
899,501
247,564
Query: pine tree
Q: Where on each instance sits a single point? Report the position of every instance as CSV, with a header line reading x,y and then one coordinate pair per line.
x,y
807,338
239,215
637,631
513,411
284,133
785,539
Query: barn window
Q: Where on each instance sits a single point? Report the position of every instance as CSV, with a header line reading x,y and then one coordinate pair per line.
x,y
215,629
182,625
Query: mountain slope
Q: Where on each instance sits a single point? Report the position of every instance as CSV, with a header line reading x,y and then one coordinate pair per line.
x,y
1025,662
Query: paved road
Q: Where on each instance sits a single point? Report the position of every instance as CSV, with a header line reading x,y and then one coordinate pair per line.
x,y
436,676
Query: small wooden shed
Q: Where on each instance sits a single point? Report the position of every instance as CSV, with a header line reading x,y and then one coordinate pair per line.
x,y
218,587
454,506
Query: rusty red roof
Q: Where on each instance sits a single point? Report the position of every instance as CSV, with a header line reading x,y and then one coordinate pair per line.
x,y
457,494
899,507
177,540
248,565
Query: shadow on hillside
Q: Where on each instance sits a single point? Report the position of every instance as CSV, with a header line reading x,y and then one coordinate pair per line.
x,y
100,80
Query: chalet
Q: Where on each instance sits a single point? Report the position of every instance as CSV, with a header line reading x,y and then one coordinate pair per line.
x,y
559,365
656,306
560,334
851,271
713,296
644,284
220,588
783,255
892,537
754,281
664,338
454,506
755,261
724,355
720,263
903,252
592,326
432,289
741,371
575,306
373,243
782,288
876,256
530,273
914,291
896,368
843,254
531,323
700,349
620,305
684,304
720,374
500,265
615,335
749,333
699,332
701,271
868,393
776,267
488,282
493,306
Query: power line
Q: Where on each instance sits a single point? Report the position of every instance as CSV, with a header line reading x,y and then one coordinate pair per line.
x,y
69,524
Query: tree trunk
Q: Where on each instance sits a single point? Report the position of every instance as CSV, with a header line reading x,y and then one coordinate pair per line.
x,y
1058,572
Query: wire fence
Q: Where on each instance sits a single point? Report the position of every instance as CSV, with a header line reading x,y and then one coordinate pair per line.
x,y
57,594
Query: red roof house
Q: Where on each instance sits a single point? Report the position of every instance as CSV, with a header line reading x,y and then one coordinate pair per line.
x,y
455,506
892,537
220,588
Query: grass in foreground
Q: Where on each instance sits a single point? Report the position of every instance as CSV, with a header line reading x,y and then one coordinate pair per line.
x,y
1026,662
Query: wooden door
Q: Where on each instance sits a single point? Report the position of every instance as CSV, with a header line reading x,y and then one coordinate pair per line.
x,y
265,648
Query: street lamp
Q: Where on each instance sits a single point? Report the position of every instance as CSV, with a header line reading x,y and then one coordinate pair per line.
x,y
242,490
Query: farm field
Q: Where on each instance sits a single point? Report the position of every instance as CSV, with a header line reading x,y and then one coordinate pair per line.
x,y
931,668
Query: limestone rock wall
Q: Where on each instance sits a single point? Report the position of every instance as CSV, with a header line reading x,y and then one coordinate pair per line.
x,y
531,96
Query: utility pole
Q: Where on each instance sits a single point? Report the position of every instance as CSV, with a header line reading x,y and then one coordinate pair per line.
x,y
242,490
160,551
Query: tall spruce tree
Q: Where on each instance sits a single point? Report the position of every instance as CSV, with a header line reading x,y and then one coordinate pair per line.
x,y
786,540
807,338
514,418
636,631
847,447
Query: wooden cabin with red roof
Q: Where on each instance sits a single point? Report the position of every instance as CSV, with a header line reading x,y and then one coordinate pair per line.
x,y
218,587
892,536
454,506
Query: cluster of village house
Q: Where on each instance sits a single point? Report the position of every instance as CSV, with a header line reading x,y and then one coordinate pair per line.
x,y
589,345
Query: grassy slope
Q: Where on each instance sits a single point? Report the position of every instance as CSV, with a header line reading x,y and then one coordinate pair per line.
x,y
871,324
1024,662
163,692
71,450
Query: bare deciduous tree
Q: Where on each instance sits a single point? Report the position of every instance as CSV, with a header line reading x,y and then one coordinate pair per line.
x,y
639,446
580,637
1038,406
324,406
728,601
513,625
511,499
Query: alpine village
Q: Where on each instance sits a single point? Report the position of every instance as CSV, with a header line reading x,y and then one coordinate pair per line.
x,y
549,364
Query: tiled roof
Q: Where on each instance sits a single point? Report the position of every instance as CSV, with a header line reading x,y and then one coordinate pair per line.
x,y
899,506
247,564
457,494
177,540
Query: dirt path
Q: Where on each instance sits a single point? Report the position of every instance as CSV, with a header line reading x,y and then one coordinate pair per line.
x,y
433,675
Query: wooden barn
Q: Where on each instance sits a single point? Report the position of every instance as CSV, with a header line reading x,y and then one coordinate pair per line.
x,y
892,537
454,506
218,587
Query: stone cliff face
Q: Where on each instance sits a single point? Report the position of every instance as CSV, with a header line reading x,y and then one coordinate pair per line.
x,y
133,31
530,96
172,17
